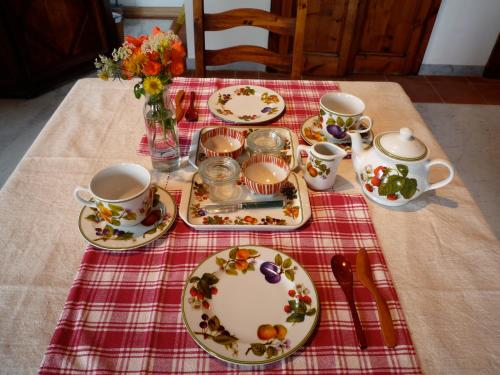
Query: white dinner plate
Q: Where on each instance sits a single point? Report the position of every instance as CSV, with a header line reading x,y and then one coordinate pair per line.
x,y
246,104
250,305
102,235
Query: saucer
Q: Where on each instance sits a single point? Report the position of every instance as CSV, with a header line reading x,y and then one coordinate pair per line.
x,y
102,235
310,132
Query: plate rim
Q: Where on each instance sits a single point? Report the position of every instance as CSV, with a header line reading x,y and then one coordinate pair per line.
x,y
242,122
153,238
251,363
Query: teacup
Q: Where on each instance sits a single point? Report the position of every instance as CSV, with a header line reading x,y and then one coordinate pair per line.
x,y
121,194
340,112
323,160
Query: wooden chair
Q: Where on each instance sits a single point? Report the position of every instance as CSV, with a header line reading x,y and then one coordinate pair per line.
x,y
285,26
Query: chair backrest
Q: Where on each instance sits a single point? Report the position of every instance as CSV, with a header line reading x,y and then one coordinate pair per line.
x,y
287,26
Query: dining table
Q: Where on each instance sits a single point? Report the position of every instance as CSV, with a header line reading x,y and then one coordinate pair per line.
x,y
68,307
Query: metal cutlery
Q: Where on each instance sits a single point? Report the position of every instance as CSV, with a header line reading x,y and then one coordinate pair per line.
x,y
231,207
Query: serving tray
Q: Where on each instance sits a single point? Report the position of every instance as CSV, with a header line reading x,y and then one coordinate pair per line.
x,y
295,212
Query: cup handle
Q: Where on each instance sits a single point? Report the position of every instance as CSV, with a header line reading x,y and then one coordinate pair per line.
x,y
368,123
298,155
85,202
444,181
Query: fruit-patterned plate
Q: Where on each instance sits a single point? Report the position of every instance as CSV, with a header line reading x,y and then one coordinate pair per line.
x,y
104,236
250,305
310,130
246,104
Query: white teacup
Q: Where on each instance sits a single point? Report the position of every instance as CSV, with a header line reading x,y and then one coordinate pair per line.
x,y
340,112
323,160
121,193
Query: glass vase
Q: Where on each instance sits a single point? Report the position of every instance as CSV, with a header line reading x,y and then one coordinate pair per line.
x,y
161,130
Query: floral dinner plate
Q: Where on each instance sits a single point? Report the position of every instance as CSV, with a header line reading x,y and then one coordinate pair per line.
x,y
102,235
246,104
310,132
250,305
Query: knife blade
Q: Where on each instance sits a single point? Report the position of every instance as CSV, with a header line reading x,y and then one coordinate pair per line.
x,y
231,207
365,276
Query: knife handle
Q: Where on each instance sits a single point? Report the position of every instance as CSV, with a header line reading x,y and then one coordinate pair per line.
x,y
263,204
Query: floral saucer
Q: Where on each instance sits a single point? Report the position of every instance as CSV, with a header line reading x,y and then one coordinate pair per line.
x,y
311,134
102,235
246,104
250,305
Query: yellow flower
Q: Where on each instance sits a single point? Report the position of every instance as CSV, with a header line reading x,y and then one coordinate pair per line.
x,y
152,85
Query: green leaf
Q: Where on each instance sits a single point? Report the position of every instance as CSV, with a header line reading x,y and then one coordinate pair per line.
x,y
301,308
151,231
278,260
130,216
295,318
322,112
258,349
194,279
232,253
287,263
410,188
210,278
232,265
382,189
232,272
213,323
253,252
220,261
340,122
271,351
138,90
394,184
293,304
251,267
92,218
204,288
311,312
349,122
330,121
224,339
115,222
114,207
403,169
290,275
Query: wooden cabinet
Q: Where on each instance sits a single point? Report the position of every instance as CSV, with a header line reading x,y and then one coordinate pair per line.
x,y
362,36
48,41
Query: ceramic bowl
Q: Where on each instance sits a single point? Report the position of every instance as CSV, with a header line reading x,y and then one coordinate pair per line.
x,y
265,173
222,141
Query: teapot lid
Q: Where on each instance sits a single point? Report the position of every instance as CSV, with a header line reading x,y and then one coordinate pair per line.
x,y
401,145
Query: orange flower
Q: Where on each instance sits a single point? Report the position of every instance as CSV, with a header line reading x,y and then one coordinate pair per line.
x,y
133,65
155,30
151,68
177,67
137,42
154,56
178,51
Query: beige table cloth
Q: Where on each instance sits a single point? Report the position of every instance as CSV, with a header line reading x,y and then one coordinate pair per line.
x,y
443,257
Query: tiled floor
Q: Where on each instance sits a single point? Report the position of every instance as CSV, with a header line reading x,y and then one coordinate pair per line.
x,y
421,89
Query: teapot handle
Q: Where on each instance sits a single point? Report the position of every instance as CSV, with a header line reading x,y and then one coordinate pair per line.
x,y
298,156
444,181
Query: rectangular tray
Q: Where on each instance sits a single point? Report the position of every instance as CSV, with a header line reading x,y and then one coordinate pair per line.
x,y
295,213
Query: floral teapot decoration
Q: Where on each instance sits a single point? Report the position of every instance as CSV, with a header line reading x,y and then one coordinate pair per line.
x,y
395,170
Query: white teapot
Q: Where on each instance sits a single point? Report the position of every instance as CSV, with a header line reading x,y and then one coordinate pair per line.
x,y
395,170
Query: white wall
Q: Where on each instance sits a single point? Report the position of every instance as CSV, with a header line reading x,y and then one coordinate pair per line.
x,y
464,33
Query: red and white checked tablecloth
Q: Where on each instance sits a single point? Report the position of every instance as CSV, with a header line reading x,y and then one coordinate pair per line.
x,y
123,312
301,100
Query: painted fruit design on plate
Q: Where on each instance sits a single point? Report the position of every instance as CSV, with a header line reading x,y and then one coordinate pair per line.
x,y
272,271
388,182
212,329
275,341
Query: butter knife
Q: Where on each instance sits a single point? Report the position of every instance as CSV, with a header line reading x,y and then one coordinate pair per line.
x,y
231,207
365,276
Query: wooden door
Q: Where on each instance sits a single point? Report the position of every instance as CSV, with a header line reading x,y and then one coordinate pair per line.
x,y
362,36
51,40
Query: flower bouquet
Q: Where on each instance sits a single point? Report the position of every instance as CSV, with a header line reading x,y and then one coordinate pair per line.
x,y
153,59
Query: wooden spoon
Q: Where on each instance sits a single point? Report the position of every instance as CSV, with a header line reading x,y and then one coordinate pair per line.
x,y
179,111
341,268
384,315
192,113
